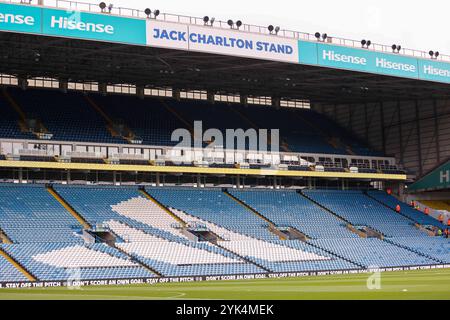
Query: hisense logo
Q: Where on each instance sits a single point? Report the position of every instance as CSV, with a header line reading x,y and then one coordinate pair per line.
x,y
444,176
77,24
427,69
18,19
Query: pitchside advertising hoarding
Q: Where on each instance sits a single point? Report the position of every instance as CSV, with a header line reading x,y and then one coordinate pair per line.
x,y
151,32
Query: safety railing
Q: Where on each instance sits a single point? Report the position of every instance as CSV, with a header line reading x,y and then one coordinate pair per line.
x,y
136,13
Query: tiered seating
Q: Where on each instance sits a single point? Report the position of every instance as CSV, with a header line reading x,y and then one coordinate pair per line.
x,y
279,256
373,252
64,114
361,210
60,261
102,205
145,229
149,238
9,122
152,122
214,206
415,215
148,119
8,273
289,209
335,131
31,214
300,135
434,247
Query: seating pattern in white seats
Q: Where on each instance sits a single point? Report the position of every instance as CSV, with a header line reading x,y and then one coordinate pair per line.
x,y
130,234
151,247
174,253
147,212
250,247
80,257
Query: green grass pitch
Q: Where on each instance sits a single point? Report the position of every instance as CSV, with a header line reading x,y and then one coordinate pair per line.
x,y
425,284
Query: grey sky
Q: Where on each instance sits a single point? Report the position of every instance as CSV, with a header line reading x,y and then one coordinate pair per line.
x,y
413,24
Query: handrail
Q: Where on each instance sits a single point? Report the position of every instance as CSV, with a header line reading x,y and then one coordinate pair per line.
x,y
168,17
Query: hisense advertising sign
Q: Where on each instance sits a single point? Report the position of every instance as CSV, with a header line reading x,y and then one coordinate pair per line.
x,y
363,60
20,18
151,32
102,27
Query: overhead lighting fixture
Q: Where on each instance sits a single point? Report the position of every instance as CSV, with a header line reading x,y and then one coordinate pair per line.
x,y
317,35
148,12
205,20
396,48
230,23
212,20
102,6
324,37
434,55
238,24
366,43
270,28
110,7
156,13
277,29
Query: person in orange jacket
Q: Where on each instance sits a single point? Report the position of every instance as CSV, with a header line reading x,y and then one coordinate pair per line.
x,y
441,218
398,208
427,211
448,223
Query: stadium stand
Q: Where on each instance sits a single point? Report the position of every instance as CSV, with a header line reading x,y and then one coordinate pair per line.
x,y
214,206
406,210
179,231
9,122
155,128
64,114
62,261
287,208
9,273
29,214
149,234
361,210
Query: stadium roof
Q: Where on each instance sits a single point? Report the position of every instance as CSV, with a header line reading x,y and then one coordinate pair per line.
x,y
191,55
80,60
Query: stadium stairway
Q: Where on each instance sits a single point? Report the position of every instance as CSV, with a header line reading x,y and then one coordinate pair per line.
x,y
417,223
233,252
86,225
128,136
134,258
348,224
178,116
160,205
414,251
330,140
23,117
68,207
18,266
283,143
394,241
4,237
272,226
184,224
